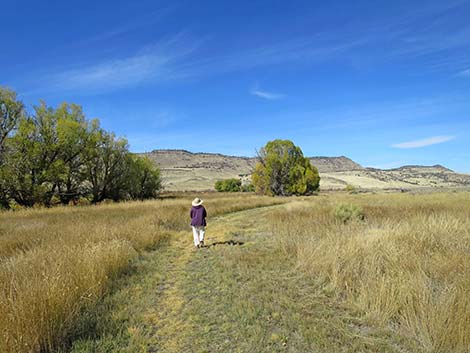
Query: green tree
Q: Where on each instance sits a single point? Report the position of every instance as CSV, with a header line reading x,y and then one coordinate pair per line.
x,y
57,155
283,170
22,171
46,155
33,161
74,134
11,112
105,162
143,178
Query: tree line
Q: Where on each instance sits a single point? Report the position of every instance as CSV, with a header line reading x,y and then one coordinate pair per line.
x,y
58,156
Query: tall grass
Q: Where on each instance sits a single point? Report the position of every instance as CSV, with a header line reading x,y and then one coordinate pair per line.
x,y
407,265
56,264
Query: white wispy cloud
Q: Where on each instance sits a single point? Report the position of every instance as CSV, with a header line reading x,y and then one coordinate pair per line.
x,y
308,49
266,95
465,73
122,29
159,62
177,57
424,142
114,73
398,35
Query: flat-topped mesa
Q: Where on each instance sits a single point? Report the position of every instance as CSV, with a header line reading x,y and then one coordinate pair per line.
x,y
423,168
185,170
173,152
179,158
334,164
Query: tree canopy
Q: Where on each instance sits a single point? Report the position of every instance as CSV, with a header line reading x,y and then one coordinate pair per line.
x,y
57,155
283,170
11,110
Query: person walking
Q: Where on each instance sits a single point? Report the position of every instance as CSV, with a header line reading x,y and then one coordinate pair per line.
x,y
198,216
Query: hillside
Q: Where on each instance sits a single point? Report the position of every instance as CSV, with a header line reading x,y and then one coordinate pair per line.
x,y
181,159
334,164
184,170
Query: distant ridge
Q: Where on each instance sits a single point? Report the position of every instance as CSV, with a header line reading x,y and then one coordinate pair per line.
x,y
173,158
185,170
424,167
335,164
170,151
176,159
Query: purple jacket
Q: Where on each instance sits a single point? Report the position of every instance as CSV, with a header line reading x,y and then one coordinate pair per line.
x,y
198,216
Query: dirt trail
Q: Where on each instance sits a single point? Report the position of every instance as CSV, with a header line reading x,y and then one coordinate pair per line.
x,y
168,319
172,329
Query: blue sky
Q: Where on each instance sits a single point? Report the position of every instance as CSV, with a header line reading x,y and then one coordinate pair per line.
x,y
385,83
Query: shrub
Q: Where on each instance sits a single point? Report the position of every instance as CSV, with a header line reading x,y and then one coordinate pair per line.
x,y
228,185
248,188
83,201
15,206
351,189
348,212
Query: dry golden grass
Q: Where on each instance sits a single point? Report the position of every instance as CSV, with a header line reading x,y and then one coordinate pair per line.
x,y
407,265
56,264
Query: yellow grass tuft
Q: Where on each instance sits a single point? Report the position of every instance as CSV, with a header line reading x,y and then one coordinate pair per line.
x,y
407,265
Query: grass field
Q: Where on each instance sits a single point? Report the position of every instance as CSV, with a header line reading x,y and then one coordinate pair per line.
x,y
406,265
292,276
56,264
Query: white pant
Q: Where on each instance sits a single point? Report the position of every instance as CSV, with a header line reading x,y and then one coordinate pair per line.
x,y
198,234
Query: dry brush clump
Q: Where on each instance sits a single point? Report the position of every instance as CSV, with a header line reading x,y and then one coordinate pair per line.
x,y
406,266
56,264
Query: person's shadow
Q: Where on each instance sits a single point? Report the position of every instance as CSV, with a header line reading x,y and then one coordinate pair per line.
x,y
226,242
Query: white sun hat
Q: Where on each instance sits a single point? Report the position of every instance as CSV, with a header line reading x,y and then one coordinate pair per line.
x,y
197,202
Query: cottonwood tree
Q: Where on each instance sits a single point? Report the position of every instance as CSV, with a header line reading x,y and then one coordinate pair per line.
x,y
57,155
22,170
143,178
74,134
105,162
45,155
11,111
33,163
283,170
